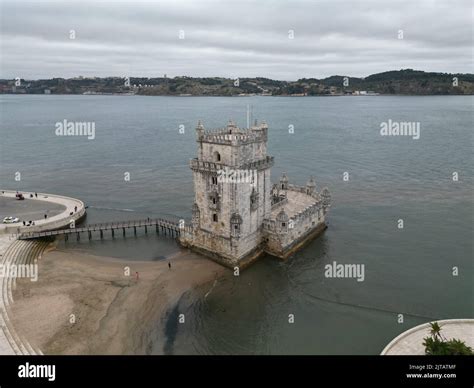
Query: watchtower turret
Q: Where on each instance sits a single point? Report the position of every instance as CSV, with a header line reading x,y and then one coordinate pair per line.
x,y
283,182
325,199
311,186
200,130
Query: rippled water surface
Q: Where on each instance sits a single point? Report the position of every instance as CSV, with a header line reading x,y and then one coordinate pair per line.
x,y
407,271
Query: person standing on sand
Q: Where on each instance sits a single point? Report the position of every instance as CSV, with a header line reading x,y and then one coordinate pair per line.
x,y
169,265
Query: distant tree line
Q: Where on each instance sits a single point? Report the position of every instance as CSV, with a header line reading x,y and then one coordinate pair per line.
x,y
407,81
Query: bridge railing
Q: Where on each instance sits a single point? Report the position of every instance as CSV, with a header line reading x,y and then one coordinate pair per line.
x,y
171,224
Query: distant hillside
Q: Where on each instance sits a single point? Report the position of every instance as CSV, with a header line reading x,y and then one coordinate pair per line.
x,y
407,82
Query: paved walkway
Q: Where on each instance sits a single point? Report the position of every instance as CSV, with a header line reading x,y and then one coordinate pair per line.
x,y
55,222
410,342
10,343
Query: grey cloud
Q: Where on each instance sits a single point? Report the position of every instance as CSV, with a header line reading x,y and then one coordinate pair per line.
x,y
233,38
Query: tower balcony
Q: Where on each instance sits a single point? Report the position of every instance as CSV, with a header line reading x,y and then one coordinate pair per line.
x,y
199,165
203,166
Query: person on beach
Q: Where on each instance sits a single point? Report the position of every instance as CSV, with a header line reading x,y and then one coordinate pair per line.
x,y
75,209
169,265
45,216
36,195
24,223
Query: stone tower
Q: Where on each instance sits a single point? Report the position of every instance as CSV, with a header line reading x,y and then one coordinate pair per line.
x,y
232,191
237,213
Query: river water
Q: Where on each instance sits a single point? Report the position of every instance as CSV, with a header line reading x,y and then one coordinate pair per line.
x,y
408,271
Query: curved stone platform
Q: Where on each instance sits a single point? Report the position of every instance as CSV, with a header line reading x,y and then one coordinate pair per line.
x,y
410,342
14,251
58,221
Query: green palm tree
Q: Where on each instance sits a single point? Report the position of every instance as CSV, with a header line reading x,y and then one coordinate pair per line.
x,y
438,345
435,330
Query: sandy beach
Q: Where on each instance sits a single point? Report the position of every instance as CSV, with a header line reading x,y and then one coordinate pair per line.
x,y
85,304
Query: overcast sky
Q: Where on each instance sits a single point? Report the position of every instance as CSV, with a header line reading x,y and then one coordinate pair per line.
x,y
233,38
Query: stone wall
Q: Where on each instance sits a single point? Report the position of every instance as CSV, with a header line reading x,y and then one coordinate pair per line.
x,y
278,240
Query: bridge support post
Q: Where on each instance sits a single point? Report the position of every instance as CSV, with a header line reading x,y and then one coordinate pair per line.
x,y
157,229
90,234
66,236
101,234
135,230
78,236
123,230
146,229
113,233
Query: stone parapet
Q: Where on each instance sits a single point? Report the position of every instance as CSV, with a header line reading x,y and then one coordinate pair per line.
x,y
202,166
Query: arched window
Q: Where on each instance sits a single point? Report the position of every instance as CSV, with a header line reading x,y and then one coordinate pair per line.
x,y
217,157
214,217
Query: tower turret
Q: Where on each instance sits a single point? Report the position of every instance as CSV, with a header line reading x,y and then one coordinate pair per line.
x,y
325,199
284,182
200,130
282,220
232,127
311,186
196,215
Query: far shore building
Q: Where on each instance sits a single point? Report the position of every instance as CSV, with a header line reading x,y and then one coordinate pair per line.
x,y
238,214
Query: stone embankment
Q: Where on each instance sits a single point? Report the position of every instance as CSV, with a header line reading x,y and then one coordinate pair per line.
x,y
14,252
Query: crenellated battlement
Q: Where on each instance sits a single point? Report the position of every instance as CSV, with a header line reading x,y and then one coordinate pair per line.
x,y
308,212
233,135
303,189
260,164
232,139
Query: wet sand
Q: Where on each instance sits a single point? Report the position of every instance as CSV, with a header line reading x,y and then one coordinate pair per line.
x,y
113,313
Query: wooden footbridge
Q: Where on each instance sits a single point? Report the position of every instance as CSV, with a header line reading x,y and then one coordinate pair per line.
x,y
163,226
